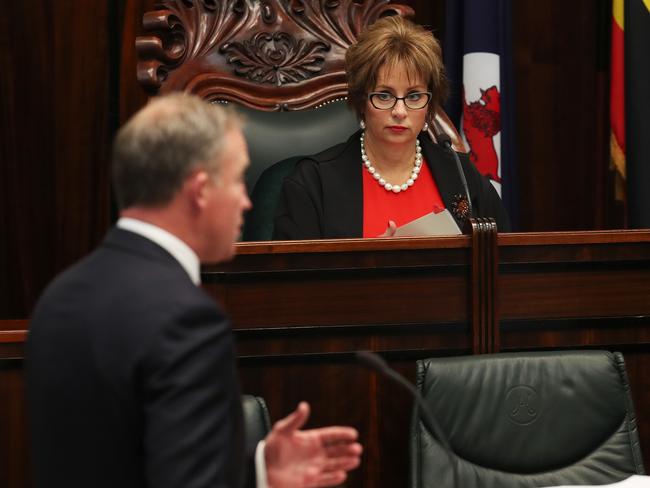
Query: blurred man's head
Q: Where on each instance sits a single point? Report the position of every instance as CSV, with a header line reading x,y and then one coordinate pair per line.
x,y
179,163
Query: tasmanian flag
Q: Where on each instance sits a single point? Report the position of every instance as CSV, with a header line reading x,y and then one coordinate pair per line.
x,y
478,57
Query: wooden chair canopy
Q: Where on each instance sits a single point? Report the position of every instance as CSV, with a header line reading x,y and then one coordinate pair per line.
x,y
270,55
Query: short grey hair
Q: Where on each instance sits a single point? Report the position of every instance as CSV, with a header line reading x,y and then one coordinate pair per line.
x,y
159,147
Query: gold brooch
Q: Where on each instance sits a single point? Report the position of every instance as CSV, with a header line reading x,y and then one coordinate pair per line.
x,y
460,207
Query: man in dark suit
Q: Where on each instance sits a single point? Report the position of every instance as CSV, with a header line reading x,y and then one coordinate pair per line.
x,y
131,372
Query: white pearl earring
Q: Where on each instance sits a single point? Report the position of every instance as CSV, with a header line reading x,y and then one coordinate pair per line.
x,y
362,124
425,127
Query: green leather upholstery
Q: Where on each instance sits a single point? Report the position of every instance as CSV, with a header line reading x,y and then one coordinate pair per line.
x,y
257,422
282,137
527,419
258,223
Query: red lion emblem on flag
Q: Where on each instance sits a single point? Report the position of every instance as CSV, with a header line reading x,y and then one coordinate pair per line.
x,y
481,122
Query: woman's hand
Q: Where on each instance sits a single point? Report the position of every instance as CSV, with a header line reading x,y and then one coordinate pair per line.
x,y
390,230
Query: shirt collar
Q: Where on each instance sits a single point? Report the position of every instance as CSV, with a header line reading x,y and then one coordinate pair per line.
x,y
169,242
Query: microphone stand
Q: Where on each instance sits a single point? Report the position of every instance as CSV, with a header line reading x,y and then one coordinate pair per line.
x,y
445,141
375,362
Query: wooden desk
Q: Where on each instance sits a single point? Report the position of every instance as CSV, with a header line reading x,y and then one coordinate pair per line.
x,y
301,309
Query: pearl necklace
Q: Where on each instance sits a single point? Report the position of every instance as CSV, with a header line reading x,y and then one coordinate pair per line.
x,y
382,182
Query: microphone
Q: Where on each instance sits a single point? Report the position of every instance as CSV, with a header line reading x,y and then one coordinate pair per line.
x,y
376,363
445,141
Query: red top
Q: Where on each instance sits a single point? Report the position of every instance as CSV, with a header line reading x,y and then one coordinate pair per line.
x,y
380,206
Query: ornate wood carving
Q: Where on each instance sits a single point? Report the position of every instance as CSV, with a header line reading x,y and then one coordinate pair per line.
x,y
277,58
268,54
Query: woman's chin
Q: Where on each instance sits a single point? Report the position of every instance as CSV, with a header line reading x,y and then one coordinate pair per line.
x,y
396,136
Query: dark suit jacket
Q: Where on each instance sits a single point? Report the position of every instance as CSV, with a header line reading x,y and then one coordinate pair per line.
x,y
323,198
131,376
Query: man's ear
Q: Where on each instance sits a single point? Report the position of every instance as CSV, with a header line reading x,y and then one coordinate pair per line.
x,y
195,188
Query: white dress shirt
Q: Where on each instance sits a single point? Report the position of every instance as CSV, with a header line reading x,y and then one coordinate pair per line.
x,y
169,242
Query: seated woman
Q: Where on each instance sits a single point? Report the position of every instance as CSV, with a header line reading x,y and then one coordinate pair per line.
x,y
390,172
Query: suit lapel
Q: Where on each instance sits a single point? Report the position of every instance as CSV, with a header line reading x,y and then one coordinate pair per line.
x,y
343,191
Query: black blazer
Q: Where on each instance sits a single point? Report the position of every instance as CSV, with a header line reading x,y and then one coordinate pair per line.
x,y
131,376
323,198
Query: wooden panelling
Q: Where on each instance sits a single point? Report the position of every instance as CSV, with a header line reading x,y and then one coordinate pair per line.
x,y
14,452
300,311
561,78
577,275
54,140
362,282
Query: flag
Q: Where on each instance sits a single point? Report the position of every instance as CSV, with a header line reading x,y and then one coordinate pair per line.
x,y
617,101
637,110
478,58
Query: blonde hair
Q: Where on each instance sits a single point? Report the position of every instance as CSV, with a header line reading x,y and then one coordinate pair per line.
x,y
387,42
160,145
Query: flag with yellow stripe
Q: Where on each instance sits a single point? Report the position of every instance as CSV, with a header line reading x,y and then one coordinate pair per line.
x,y
617,101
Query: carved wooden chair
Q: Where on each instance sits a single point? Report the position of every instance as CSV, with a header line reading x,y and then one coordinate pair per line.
x,y
281,61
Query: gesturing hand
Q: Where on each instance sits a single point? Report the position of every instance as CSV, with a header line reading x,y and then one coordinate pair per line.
x,y
309,458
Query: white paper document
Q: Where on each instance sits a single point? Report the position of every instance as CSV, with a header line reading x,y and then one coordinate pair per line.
x,y
431,224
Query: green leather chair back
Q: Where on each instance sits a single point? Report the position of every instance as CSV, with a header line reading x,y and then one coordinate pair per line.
x,y
527,420
257,422
276,141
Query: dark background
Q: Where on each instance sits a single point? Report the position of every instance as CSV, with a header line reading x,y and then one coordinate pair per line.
x,y
68,80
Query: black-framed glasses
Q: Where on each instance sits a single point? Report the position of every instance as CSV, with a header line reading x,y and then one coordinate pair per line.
x,y
386,101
